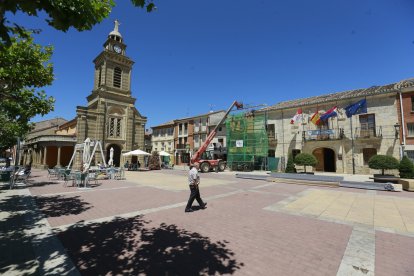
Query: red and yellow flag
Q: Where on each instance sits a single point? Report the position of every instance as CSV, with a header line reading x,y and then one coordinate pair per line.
x,y
316,119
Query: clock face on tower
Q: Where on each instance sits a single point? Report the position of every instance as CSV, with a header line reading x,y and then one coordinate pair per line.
x,y
117,49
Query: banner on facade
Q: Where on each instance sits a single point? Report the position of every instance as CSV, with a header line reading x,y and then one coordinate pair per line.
x,y
239,143
320,132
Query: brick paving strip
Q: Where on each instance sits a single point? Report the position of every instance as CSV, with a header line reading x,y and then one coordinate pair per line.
x,y
137,213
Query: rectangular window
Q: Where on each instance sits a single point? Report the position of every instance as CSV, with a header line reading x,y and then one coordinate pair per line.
x,y
271,131
410,154
368,153
367,123
412,104
117,77
111,126
410,129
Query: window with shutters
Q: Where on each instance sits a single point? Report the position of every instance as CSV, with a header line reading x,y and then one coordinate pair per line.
x,y
117,77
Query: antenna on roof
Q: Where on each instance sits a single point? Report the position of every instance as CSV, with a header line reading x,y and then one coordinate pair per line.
x,y
211,107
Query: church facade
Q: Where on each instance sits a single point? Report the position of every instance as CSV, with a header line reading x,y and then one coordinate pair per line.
x,y
109,117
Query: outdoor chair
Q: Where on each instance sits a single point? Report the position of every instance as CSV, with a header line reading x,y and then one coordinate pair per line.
x,y
92,178
51,173
68,176
61,173
120,174
79,178
19,178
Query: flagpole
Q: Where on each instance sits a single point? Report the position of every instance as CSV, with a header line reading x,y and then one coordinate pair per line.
x,y
352,147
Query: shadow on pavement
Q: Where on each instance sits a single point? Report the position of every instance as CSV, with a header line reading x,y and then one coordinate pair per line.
x,y
126,246
21,240
56,206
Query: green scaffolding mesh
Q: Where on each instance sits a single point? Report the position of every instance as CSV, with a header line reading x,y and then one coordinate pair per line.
x,y
247,142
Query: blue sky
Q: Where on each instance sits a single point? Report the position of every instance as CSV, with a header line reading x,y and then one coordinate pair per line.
x,y
194,56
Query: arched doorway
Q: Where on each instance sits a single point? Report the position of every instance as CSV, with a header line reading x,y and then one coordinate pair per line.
x,y
326,160
117,154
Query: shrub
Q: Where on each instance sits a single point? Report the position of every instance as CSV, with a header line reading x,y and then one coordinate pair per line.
x,y
290,166
406,168
305,159
383,162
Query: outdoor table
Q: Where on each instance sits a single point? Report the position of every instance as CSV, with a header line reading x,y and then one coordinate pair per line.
x,y
5,175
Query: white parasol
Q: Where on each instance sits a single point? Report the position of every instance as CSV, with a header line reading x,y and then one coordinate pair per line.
x,y
111,157
86,150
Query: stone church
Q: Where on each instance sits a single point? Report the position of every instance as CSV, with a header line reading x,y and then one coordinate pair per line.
x,y
110,116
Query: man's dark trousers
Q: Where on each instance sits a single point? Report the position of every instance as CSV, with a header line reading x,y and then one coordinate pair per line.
x,y
195,194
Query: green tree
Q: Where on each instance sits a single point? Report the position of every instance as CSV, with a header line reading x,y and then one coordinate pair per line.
x,y
290,166
406,168
60,14
383,162
24,68
305,159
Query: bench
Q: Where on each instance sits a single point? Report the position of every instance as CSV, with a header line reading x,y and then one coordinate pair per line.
x,y
385,179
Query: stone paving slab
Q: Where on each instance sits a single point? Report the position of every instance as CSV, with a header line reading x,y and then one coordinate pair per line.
x,y
388,213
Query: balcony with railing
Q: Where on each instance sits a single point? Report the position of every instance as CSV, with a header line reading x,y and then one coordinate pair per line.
x,y
181,146
368,133
323,134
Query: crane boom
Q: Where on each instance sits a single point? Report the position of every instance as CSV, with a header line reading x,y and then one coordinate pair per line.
x,y
196,157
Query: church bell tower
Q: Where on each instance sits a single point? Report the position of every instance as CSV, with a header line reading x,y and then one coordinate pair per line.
x,y
110,115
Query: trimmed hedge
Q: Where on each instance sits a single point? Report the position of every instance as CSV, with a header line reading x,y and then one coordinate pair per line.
x,y
383,162
406,168
305,159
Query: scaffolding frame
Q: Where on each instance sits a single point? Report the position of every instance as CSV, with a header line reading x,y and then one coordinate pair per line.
x,y
84,151
247,142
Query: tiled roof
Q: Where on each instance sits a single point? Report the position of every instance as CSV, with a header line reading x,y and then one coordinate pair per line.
x,y
357,93
198,116
49,123
165,124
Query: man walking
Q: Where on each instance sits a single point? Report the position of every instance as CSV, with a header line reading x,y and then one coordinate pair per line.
x,y
194,181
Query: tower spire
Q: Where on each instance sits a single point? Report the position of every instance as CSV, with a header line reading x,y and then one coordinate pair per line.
x,y
116,25
115,34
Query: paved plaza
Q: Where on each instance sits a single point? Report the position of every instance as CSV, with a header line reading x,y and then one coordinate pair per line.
x,y
138,226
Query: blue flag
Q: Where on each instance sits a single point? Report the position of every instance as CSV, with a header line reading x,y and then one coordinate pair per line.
x,y
356,108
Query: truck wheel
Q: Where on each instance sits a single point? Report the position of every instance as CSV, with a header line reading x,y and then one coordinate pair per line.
x,y
221,166
205,167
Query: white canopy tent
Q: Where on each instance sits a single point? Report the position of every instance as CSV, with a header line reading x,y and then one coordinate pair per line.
x,y
163,153
135,152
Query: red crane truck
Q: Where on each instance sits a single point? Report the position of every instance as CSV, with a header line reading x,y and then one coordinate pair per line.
x,y
206,164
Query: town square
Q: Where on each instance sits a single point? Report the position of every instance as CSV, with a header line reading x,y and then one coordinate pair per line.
x,y
153,138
